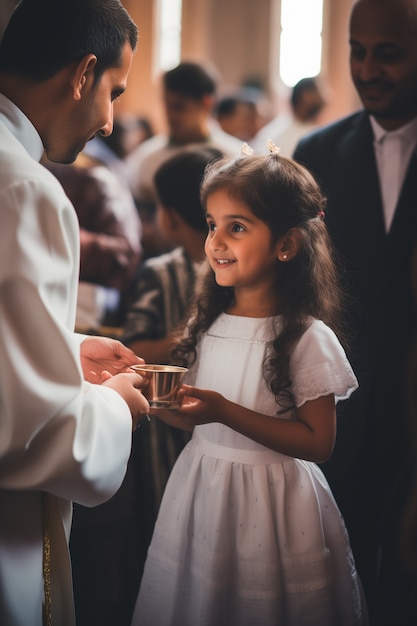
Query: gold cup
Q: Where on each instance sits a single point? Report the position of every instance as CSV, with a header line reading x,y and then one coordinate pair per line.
x,y
164,381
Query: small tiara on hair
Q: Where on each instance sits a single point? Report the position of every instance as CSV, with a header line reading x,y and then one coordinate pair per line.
x,y
246,150
272,148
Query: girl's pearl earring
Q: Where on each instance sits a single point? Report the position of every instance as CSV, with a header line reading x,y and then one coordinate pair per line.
x,y
284,257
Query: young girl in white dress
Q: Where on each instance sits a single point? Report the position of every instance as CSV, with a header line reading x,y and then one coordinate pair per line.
x,y
248,532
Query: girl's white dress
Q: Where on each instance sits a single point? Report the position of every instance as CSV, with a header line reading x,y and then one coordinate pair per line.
x,y
246,536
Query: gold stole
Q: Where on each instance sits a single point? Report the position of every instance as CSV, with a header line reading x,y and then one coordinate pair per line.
x,y
58,609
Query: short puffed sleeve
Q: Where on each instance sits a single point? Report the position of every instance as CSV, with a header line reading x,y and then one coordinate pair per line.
x,y
319,366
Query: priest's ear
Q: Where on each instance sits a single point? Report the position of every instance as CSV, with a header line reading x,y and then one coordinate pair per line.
x,y
83,75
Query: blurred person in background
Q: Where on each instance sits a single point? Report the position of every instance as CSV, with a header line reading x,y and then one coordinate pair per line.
x,y
238,114
110,235
188,93
307,101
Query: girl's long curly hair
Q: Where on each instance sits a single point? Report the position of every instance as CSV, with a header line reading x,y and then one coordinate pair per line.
x,y
284,195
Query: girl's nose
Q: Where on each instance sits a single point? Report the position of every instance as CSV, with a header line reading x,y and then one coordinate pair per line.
x,y
215,241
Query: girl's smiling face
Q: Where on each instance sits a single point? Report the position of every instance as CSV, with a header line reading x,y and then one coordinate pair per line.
x,y
239,246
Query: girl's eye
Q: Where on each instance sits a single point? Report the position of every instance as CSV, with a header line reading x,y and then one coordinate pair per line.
x,y
211,226
237,228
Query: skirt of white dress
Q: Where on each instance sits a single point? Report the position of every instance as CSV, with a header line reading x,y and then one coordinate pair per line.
x,y
248,538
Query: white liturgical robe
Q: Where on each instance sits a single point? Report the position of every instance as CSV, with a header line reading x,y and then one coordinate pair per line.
x,y
58,434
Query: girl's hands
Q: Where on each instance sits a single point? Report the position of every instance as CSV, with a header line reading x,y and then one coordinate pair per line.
x,y
199,406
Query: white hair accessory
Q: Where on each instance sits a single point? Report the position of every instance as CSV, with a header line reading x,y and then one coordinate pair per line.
x,y
272,148
246,150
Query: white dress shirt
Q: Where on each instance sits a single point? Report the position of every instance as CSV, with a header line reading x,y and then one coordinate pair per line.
x,y
393,151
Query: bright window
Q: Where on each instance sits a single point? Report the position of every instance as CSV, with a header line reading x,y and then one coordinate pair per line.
x,y
300,43
169,33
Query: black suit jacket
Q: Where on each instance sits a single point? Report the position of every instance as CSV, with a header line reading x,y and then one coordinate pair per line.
x,y
382,315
